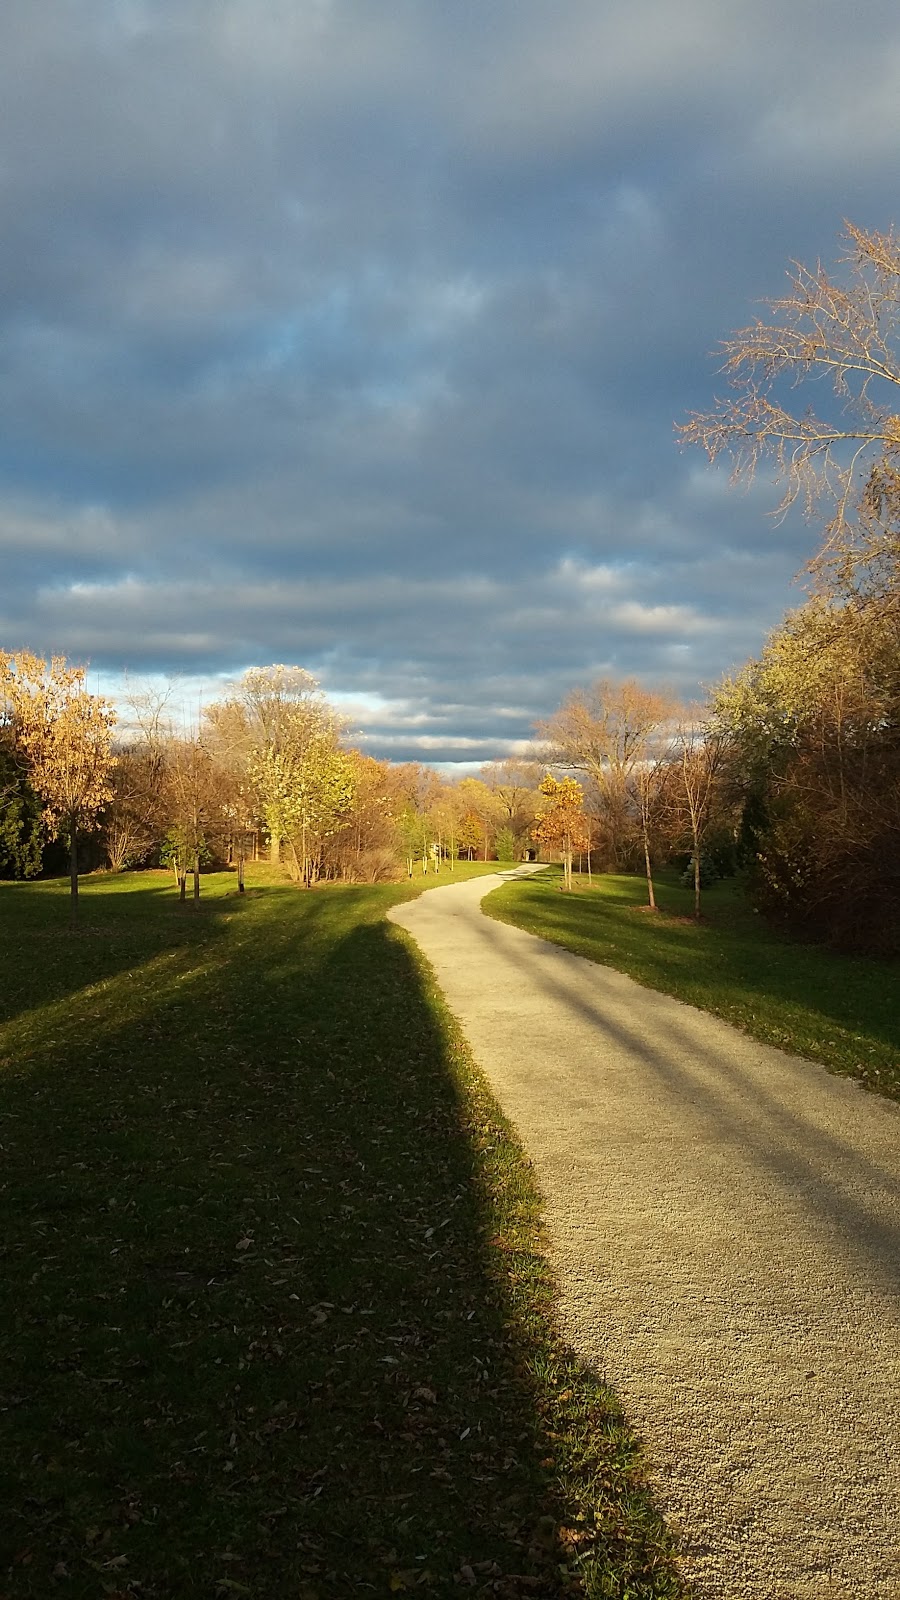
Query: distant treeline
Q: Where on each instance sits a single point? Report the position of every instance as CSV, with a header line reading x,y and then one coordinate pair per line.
x,y
789,775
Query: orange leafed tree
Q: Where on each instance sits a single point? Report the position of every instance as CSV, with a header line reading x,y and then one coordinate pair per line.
x,y
561,822
65,736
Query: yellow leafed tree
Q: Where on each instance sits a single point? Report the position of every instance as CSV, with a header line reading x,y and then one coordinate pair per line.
x,y
561,821
65,736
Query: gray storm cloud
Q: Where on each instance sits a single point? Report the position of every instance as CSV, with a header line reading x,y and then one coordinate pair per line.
x,y
355,335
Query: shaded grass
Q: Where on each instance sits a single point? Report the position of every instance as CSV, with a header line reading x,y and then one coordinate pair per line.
x,y
839,1010
276,1318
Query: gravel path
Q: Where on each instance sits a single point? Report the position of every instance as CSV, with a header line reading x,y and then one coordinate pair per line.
x,y
725,1225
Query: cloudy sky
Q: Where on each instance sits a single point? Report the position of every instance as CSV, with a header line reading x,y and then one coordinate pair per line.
x,y
352,333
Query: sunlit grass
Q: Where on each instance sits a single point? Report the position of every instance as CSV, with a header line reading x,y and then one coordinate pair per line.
x,y
276,1315
839,1010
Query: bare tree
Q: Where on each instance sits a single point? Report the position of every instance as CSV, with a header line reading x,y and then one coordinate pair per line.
x,y
191,805
649,782
699,762
845,464
514,783
606,732
130,819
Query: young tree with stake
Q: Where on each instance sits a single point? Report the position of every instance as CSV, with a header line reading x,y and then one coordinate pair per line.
x,y
561,822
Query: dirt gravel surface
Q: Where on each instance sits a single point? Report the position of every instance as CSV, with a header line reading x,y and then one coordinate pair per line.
x,y
725,1225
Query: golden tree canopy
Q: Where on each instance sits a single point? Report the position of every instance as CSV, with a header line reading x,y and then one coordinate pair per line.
x,y
64,733
561,821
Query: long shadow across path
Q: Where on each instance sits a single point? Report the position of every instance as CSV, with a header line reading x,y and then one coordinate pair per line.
x,y
725,1222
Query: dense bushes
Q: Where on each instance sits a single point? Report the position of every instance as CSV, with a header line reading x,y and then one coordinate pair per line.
x,y
816,746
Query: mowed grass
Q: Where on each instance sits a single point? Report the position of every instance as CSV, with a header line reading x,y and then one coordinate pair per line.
x,y
839,1010
276,1321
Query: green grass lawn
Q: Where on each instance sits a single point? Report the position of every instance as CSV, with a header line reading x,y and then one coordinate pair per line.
x,y
276,1320
839,1010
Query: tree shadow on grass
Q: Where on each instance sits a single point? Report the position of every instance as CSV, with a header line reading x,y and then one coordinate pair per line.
x,y
730,957
123,922
277,1321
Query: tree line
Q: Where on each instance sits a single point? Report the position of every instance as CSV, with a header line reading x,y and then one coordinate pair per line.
x,y
268,770
812,727
789,772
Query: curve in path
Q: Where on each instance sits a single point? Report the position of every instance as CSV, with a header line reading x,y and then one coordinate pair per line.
x,y
725,1227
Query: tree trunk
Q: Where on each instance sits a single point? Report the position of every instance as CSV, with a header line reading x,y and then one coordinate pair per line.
x,y
650,894
196,879
240,867
73,868
696,876
182,883
294,864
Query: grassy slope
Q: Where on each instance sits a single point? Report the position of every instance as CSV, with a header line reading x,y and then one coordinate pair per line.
x,y
835,1009
276,1322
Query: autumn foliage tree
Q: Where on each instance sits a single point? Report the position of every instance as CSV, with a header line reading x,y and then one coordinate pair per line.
x,y
278,721
815,731
561,822
309,790
65,736
606,732
361,846
814,722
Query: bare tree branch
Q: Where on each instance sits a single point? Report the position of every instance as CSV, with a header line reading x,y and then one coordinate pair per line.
x,y
842,464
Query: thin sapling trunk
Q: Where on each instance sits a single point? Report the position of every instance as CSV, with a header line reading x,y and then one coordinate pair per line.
x,y
73,867
649,870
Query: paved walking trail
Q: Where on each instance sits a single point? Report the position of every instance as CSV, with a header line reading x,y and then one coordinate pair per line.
x,y
725,1223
